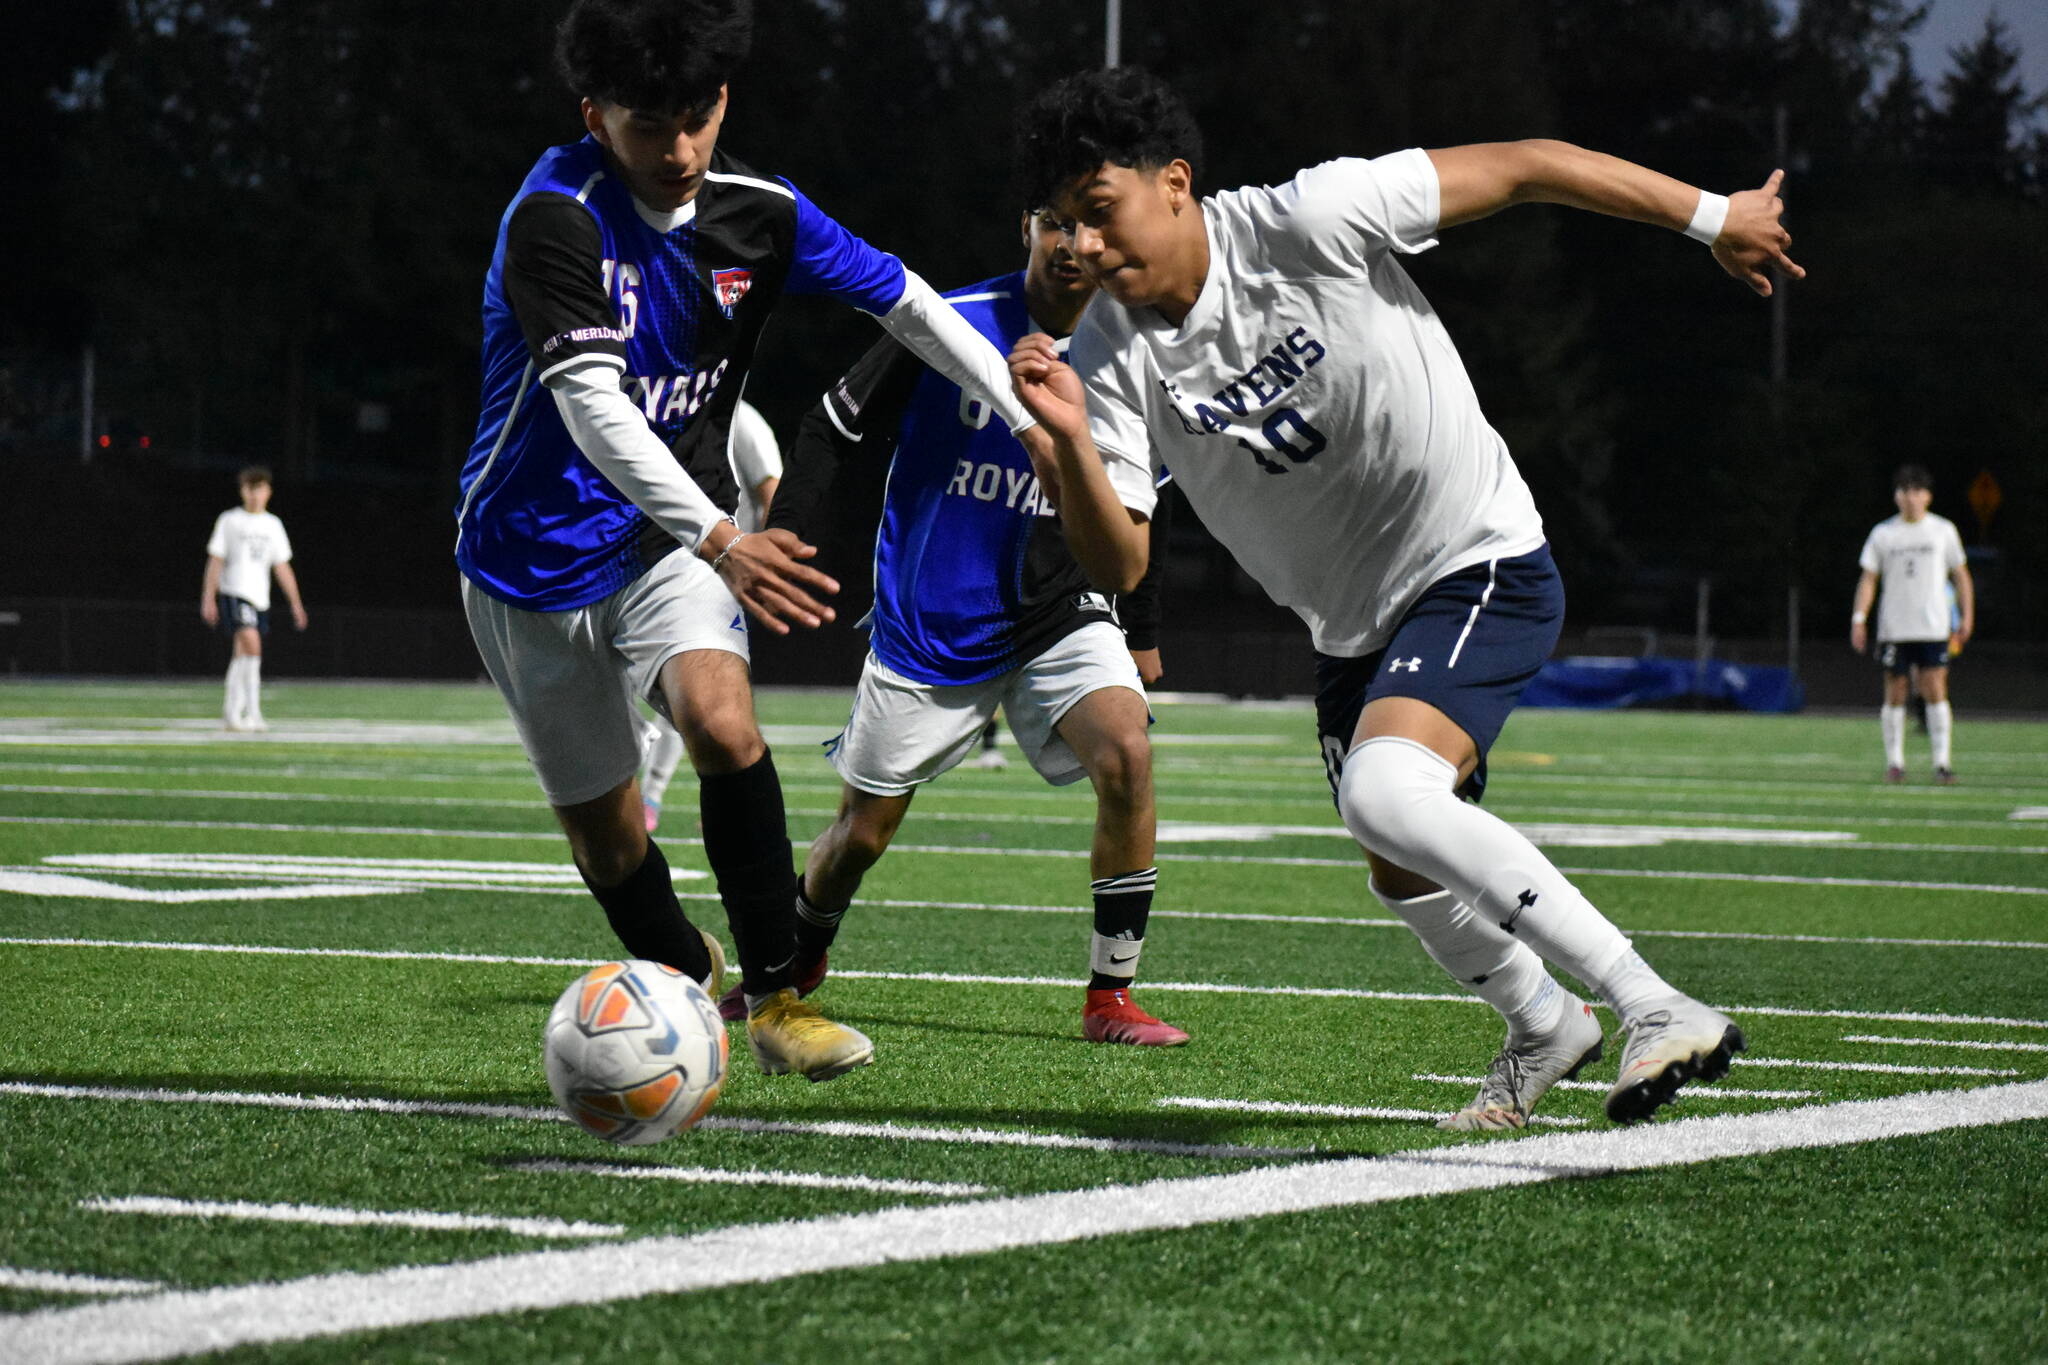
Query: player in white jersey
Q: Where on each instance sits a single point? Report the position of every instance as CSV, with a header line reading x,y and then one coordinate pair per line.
x,y
1265,345
756,461
1917,556
247,549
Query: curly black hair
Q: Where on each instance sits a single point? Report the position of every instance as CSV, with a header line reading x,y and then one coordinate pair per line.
x,y
660,57
1913,476
1125,116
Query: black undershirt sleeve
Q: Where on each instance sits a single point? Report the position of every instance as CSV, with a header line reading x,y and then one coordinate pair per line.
x,y
1139,611
555,283
848,433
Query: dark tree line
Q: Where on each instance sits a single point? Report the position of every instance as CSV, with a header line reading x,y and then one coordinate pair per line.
x,y
271,220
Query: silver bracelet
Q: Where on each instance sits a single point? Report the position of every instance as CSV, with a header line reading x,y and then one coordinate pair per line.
x,y
719,558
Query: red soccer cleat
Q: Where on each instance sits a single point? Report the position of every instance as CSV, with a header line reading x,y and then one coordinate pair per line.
x,y
1110,1017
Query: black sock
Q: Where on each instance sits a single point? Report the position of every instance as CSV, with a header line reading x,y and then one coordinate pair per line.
x,y
746,841
815,928
1122,905
650,921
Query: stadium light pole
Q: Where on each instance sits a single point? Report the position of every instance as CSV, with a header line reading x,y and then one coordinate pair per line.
x,y
1113,32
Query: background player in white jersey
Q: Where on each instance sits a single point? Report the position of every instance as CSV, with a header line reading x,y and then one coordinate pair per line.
x,y
1915,557
247,548
1265,346
757,469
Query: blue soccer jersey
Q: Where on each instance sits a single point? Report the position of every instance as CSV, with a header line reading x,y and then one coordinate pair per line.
x,y
972,572
581,275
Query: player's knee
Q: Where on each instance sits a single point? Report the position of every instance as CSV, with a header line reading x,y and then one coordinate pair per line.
x,y
1386,791
1122,769
721,736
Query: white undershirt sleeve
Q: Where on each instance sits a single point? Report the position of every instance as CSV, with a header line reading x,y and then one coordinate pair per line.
x,y
947,342
613,434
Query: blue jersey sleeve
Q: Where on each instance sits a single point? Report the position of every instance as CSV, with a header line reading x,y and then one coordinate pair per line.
x,y
831,260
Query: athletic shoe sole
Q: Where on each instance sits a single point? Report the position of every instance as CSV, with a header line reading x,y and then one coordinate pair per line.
x,y
775,1066
1644,1098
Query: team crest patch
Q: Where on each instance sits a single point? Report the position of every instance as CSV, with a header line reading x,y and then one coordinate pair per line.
x,y
730,286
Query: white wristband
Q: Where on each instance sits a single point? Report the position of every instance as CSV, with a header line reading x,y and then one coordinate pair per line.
x,y
1708,217
1858,619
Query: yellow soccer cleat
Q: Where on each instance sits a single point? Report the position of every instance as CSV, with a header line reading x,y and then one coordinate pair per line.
x,y
789,1034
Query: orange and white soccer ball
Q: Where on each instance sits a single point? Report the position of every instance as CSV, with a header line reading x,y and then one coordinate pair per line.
x,y
635,1051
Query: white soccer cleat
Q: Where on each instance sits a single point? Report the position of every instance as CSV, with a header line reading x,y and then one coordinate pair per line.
x,y
1526,1068
991,760
1679,1041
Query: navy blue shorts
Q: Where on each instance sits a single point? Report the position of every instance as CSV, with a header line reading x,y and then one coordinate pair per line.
x,y
1900,657
239,613
1468,647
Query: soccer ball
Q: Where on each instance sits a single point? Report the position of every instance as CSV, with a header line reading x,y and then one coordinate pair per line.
x,y
635,1051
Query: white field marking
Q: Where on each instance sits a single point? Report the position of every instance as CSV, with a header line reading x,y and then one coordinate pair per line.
x,y
43,733
704,1175
1878,1068
60,1282
1972,1044
1779,879
1570,833
1335,1111
1718,1092
2029,813
960,978
891,1132
1553,835
314,1214
410,871
180,1323
1351,864
32,883
424,874
295,797
273,827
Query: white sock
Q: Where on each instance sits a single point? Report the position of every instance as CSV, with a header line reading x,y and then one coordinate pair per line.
x,y
252,682
231,701
662,757
1940,729
1493,966
1397,801
1891,720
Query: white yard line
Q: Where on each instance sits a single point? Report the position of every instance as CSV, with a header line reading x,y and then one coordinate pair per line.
x,y
890,1132
1947,1042
704,1175
386,875
62,1282
1718,1092
972,979
166,1326
1875,1068
318,1215
1335,1111
1069,855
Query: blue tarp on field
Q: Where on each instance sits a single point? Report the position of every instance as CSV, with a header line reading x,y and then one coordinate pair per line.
x,y
1594,682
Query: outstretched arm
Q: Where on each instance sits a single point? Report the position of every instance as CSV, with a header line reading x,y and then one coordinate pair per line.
x,y
1485,177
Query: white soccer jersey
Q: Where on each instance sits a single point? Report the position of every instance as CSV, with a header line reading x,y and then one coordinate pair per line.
x,y
755,456
248,544
1312,405
1912,561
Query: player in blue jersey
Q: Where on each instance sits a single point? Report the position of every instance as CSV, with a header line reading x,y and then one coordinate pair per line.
x,y
633,274
979,603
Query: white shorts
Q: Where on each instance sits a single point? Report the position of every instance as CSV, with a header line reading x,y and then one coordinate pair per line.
x,y
904,733
569,677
